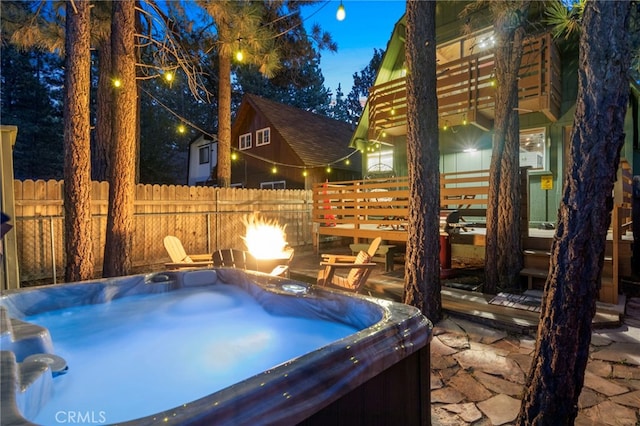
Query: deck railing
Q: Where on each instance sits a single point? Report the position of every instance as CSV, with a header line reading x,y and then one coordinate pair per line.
x,y
466,90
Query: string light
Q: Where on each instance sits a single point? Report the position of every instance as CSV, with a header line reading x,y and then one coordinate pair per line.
x,y
117,83
234,156
181,128
328,169
347,161
239,54
341,13
304,173
168,76
274,170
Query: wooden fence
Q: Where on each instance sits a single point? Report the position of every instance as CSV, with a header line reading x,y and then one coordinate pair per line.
x,y
204,218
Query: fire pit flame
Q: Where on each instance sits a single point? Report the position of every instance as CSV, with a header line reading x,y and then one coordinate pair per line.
x,y
265,239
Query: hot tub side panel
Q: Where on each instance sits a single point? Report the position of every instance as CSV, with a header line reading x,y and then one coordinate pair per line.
x,y
400,395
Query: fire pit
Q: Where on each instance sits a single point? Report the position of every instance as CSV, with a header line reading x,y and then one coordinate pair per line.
x,y
266,241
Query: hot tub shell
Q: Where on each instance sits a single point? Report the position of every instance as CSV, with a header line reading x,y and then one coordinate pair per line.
x,y
379,375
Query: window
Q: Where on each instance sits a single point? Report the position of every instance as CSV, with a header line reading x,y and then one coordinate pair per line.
x,y
245,141
380,162
263,136
280,184
203,154
533,148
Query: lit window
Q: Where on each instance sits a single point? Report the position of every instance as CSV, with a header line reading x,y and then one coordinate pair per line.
x,y
203,154
263,136
245,141
380,162
532,148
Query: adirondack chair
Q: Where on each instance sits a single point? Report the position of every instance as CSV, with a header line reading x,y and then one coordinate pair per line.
x,y
179,257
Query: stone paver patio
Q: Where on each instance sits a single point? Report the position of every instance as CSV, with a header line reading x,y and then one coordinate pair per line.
x,y
478,374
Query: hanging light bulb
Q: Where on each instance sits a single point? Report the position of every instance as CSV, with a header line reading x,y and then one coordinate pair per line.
x,y
181,128
274,170
464,120
117,83
347,161
304,173
168,76
239,55
328,169
341,13
234,156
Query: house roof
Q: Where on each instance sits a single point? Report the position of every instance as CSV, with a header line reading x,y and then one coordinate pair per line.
x,y
395,48
316,139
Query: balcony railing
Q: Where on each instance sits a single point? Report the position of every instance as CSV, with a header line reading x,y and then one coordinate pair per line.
x,y
466,89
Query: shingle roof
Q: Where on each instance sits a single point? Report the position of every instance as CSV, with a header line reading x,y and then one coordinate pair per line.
x,y
316,139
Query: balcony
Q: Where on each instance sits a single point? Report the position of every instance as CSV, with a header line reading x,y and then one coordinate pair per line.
x,y
466,90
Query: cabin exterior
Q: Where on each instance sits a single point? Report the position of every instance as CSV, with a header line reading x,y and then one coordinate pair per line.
x,y
203,158
277,146
377,205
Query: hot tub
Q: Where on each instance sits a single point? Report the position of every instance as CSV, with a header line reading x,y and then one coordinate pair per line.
x,y
377,374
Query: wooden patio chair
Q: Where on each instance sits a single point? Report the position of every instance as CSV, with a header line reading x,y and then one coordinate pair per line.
x,y
179,257
358,273
347,258
234,258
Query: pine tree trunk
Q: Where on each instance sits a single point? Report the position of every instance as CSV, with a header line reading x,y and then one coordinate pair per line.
x,y
503,246
564,334
104,108
77,144
119,238
422,266
224,119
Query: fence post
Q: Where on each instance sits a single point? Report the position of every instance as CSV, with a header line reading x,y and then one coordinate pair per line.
x,y
53,249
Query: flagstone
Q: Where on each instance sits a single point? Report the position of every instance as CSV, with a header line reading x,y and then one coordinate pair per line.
x,y
597,340
589,398
490,348
467,412
626,372
498,385
442,417
490,363
500,409
469,387
602,385
599,368
447,373
446,395
630,399
507,345
446,325
524,361
527,344
436,383
456,341
628,353
442,362
480,333
439,348
609,413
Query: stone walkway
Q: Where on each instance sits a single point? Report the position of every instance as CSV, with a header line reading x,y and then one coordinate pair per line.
x,y
478,374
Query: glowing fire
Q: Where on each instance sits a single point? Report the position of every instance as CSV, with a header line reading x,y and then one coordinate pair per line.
x,y
265,239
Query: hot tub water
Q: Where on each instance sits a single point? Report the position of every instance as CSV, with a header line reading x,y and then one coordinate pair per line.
x,y
143,354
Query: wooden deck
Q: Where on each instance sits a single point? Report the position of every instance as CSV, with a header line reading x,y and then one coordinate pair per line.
x,y
475,306
472,305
